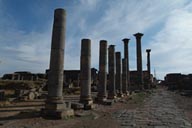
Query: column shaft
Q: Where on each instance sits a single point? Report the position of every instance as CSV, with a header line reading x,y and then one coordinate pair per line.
x,y
124,77
85,74
118,77
111,66
102,92
126,56
149,66
55,75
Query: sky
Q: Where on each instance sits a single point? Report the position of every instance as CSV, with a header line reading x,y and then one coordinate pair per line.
x,y
26,30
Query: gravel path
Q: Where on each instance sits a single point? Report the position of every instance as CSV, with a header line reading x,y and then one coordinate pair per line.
x,y
159,111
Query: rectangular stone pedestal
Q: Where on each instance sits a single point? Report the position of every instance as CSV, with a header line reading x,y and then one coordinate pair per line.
x,y
88,104
57,111
57,114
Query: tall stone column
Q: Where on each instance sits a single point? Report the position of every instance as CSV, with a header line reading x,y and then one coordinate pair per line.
x,y
139,60
85,74
102,86
55,106
124,76
111,66
126,56
149,66
118,80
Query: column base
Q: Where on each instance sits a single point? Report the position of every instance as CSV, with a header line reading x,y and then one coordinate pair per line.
x,y
112,96
57,114
126,93
88,102
120,95
101,98
56,109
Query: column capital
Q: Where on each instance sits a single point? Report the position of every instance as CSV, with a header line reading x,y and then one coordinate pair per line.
x,y
118,52
111,46
125,40
148,50
85,40
103,40
138,35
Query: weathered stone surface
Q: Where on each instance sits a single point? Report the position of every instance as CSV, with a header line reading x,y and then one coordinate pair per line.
x,y
85,74
55,74
139,59
102,86
111,66
124,77
159,111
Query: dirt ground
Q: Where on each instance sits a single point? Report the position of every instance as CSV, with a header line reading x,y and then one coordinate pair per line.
x,y
100,117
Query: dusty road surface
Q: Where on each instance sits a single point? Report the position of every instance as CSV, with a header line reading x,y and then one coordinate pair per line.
x,y
160,109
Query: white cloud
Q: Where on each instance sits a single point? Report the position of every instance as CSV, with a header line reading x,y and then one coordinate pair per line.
x,y
110,20
171,47
26,52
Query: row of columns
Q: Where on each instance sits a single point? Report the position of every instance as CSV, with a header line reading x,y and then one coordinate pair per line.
x,y
118,82
55,105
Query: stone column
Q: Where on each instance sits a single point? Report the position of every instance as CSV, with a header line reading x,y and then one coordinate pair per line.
x,y
85,74
139,60
102,86
118,80
32,77
55,106
126,56
111,66
13,76
124,76
149,66
18,77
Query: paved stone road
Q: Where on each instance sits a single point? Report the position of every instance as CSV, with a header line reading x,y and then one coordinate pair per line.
x,y
159,111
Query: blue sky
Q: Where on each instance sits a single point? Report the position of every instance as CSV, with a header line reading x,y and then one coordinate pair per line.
x,y
26,26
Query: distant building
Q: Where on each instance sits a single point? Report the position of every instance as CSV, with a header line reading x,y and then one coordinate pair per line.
x,y
178,81
23,75
72,77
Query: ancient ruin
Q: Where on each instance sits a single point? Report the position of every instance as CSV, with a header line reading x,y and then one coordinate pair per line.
x,y
106,87
24,75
